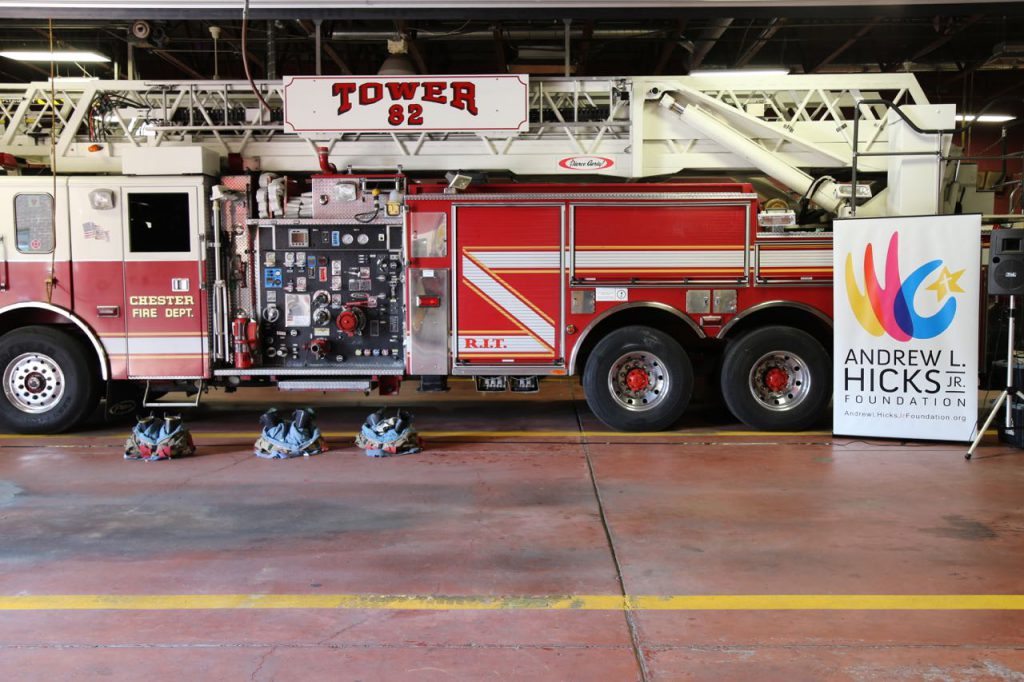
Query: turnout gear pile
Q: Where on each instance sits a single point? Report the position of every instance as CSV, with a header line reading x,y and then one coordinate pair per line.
x,y
395,435
155,439
287,438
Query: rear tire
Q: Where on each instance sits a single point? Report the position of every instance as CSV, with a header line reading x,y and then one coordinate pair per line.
x,y
777,379
47,383
638,379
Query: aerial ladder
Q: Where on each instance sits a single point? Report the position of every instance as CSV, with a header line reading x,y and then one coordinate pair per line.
x,y
789,129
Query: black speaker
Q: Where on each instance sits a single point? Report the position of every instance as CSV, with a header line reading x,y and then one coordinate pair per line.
x,y
1006,263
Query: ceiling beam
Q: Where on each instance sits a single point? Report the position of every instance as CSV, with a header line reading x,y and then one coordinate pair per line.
x,y
942,40
707,40
832,56
773,27
412,46
668,48
310,28
171,59
584,50
227,37
499,49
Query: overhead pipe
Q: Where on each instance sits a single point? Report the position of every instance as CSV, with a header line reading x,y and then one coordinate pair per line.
x,y
271,51
515,34
325,165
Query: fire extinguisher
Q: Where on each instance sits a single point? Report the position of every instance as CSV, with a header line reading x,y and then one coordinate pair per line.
x,y
245,333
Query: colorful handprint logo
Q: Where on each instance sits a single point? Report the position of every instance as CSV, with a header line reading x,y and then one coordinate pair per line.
x,y
890,309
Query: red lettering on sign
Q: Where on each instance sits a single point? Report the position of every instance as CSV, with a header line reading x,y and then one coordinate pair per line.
x,y
485,343
402,90
432,92
415,115
343,90
464,96
370,93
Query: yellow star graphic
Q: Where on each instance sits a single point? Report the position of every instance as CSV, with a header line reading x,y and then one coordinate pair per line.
x,y
946,283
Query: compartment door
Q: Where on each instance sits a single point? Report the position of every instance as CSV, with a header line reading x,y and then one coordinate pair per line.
x,y
509,262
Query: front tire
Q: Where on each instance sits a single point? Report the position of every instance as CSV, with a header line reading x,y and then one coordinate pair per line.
x,y
48,384
777,379
638,379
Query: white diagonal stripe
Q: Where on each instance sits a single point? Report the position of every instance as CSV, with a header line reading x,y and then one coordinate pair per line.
x,y
508,302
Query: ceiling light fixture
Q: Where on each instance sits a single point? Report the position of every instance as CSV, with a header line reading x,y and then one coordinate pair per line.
x,y
986,118
732,73
78,56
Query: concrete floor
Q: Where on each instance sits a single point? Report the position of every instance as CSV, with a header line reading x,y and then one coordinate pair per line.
x,y
504,552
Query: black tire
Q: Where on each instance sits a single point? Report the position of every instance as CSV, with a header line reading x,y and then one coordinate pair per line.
x,y
777,379
663,367
48,383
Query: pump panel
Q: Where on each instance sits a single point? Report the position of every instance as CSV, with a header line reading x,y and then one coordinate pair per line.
x,y
331,295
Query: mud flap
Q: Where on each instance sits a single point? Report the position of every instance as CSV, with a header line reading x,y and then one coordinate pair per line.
x,y
123,399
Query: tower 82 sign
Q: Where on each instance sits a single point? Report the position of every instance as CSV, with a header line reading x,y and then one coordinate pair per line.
x,y
314,104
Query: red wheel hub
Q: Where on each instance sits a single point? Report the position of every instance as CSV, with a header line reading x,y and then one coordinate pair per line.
x,y
637,380
776,379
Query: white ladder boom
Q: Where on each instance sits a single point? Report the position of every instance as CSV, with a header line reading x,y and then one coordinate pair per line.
x,y
804,120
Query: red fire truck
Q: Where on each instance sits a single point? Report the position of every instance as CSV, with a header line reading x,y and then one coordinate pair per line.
x,y
165,275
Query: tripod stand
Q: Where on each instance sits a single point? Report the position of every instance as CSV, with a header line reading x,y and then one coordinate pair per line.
x,y
1009,392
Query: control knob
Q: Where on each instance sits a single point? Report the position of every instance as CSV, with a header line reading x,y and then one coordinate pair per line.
x,y
351,320
321,298
271,314
321,316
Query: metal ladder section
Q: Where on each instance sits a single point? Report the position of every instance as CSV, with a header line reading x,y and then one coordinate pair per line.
x,y
804,119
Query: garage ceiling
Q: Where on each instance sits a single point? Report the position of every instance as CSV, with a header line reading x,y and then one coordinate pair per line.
x,y
966,53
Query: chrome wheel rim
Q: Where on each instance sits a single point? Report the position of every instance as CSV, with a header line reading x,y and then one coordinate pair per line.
x,y
779,381
638,381
33,383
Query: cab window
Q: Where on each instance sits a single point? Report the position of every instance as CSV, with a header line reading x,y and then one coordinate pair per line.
x,y
33,220
159,222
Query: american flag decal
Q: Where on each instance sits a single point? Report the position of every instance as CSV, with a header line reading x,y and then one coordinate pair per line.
x,y
91,230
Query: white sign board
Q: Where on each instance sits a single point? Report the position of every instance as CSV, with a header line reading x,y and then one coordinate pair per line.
x,y
318,104
906,327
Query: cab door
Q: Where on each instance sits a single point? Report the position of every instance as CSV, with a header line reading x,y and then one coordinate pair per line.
x,y
164,228
98,264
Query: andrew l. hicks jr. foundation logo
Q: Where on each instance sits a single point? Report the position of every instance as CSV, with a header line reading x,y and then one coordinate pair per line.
x,y
890,309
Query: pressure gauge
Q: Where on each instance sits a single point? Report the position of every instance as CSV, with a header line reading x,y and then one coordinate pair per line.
x,y
364,239
347,239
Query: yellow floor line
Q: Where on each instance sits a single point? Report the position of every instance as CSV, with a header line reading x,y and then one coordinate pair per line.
x,y
592,602
470,433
